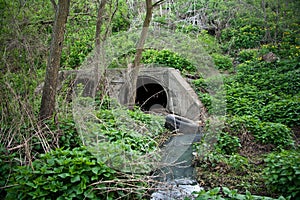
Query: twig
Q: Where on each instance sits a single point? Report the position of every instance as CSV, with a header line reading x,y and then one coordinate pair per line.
x,y
158,3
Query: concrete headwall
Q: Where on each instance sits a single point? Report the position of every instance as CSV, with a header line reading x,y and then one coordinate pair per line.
x,y
180,97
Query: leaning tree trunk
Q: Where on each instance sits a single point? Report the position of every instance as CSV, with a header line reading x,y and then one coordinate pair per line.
x,y
134,71
49,91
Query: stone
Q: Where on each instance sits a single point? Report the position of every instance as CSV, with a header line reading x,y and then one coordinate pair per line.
x,y
269,57
177,189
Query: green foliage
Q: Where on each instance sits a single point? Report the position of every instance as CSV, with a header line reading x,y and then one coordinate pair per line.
x,y
247,55
246,99
285,111
163,58
206,195
80,36
167,58
66,131
227,143
121,19
222,62
61,174
278,78
265,132
187,28
6,166
209,43
284,50
117,127
23,55
247,36
223,193
206,99
238,163
282,172
268,91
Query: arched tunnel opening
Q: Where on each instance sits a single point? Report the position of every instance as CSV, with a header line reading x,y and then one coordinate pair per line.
x,y
151,96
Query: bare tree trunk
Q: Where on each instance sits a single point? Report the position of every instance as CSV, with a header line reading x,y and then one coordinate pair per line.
x,y
267,36
49,91
99,24
134,71
277,21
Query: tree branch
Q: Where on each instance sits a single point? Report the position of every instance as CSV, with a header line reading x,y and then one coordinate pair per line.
x,y
54,4
158,3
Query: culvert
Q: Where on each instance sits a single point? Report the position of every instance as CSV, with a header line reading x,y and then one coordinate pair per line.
x,y
158,87
150,95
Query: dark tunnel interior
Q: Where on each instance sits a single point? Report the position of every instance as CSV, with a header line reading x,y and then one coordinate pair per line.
x,y
151,95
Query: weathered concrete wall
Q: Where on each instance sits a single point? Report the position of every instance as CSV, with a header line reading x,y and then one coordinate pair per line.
x,y
181,98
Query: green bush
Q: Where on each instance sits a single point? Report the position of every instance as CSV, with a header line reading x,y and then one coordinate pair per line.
x,y
227,143
66,131
247,54
265,132
245,99
61,174
6,167
279,78
206,99
269,91
224,193
247,36
124,125
238,163
222,62
285,111
167,58
209,43
273,133
282,172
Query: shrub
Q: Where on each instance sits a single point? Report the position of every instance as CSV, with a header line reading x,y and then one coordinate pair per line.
x,y
247,54
222,62
284,111
227,143
123,125
66,131
273,133
244,99
247,36
282,172
238,163
206,99
265,132
167,58
60,174
224,193
6,166
210,44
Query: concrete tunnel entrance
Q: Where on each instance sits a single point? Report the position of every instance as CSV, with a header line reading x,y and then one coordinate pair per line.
x,y
159,89
150,95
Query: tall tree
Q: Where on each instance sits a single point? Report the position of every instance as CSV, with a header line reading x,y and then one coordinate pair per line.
x,y
100,17
49,91
135,68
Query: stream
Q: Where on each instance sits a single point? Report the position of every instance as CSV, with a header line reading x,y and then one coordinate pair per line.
x,y
176,176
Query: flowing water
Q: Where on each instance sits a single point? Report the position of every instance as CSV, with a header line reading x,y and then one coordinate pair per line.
x,y
177,174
